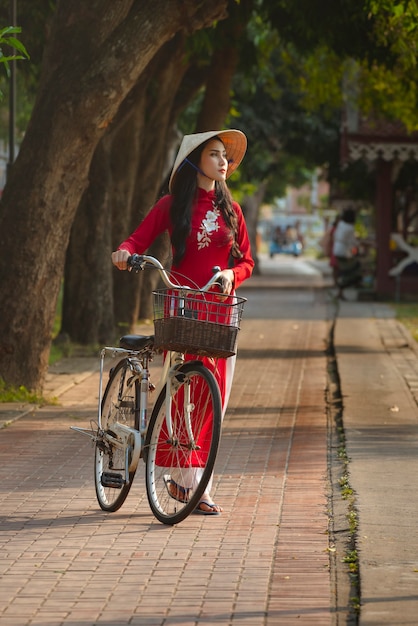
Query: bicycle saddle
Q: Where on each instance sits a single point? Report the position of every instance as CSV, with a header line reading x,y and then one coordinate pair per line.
x,y
136,342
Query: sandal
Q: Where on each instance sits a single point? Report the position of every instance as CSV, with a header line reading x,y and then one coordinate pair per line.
x,y
201,511
181,493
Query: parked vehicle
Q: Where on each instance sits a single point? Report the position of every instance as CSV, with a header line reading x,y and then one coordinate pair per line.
x,y
292,247
286,241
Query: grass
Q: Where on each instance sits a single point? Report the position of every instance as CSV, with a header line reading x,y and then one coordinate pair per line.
x,y
9,393
407,314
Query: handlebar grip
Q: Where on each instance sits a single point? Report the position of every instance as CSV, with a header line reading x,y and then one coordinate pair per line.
x,y
136,262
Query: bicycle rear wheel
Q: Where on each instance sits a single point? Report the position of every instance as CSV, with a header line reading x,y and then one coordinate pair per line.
x,y
119,406
179,466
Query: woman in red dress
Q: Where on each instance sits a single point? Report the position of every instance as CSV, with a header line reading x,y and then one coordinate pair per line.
x,y
206,228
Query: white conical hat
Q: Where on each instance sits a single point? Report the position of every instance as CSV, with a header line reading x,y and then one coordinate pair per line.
x,y
235,143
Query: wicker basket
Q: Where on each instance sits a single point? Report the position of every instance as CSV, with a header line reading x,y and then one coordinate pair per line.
x,y
199,323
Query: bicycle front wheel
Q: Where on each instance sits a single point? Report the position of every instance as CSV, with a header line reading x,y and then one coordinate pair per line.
x,y
112,454
179,463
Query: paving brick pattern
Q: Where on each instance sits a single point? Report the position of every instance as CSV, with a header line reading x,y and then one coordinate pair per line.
x,y
263,562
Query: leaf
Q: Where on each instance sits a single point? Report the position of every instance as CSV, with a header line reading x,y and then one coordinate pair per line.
x,y
10,29
18,45
6,38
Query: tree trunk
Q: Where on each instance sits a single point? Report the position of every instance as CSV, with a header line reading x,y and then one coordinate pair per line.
x,y
216,103
101,218
96,53
87,316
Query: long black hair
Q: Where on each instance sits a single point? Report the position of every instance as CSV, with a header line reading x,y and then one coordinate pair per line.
x,y
184,192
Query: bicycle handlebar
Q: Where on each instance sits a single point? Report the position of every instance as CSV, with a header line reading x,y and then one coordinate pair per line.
x,y
138,263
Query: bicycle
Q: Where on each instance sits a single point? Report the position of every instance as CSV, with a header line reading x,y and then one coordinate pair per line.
x,y
179,443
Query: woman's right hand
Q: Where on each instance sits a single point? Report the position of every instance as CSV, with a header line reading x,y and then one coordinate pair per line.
x,y
120,259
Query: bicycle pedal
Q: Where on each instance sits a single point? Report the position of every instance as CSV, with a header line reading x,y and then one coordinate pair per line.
x,y
112,480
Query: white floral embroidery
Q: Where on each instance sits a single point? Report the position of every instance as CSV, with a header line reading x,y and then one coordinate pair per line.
x,y
209,225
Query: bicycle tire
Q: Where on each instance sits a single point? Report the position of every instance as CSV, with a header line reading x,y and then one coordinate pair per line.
x,y
120,404
177,459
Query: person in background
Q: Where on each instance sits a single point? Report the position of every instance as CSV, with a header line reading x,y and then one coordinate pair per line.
x,y
345,249
206,228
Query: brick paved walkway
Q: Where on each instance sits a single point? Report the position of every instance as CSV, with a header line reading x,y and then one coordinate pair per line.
x,y
263,562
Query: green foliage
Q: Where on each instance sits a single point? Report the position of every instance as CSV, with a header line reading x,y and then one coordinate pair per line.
x,y
9,393
377,90
286,142
393,95
323,41
351,558
7,38
316,77
396,28
343,26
